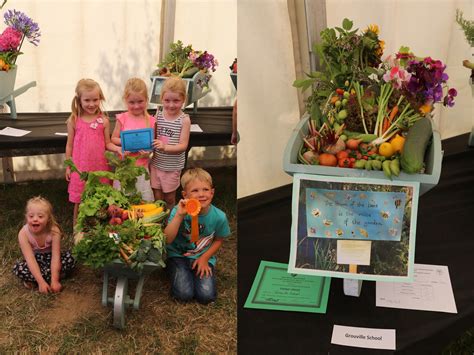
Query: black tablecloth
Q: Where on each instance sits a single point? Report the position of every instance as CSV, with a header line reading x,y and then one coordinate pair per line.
x,y
216,123
444,237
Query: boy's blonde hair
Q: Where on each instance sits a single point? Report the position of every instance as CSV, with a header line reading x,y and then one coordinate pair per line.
x,y
175,85
136,86
195,174
76,108
39,200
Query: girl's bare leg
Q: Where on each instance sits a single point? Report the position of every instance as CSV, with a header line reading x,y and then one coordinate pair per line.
x,y
170,199
74,216
158,194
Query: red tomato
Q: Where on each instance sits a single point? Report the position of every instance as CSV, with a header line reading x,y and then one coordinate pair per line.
x,y
342,154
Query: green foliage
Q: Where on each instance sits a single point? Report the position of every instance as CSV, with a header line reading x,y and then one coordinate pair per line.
x,y
467,26
177,59
344,56
97,248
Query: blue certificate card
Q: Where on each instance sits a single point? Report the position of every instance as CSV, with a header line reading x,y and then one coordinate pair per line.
x,y
276,289
353,227
136,139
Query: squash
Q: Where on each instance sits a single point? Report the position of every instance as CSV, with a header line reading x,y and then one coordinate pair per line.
x,y
416,142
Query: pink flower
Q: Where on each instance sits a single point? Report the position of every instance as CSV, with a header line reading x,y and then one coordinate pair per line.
x,y
397,76
10,39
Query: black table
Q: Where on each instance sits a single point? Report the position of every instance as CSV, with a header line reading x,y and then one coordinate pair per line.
x,y
444,237
216,123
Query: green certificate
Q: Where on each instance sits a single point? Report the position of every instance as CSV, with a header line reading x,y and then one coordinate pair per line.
x,y
274,288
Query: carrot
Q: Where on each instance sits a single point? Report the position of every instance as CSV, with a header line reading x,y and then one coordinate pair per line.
x,y
385,125
124,256
393,113
334,99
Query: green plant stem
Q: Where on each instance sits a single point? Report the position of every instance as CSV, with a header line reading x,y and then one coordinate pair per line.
x,y
359,93
385,93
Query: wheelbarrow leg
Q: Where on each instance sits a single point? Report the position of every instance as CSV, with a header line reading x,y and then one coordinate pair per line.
x,y
138,292
12,105
120,302
105,289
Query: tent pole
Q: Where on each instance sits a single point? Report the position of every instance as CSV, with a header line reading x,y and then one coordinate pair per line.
x,y
168,11
315,11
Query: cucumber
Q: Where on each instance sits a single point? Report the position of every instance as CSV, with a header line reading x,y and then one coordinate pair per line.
x,y
416,142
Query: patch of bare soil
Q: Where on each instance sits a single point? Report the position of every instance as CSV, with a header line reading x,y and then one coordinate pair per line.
x,y
74,303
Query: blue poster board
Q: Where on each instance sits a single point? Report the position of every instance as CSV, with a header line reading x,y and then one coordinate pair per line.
x,y
365,215
340,222
136,140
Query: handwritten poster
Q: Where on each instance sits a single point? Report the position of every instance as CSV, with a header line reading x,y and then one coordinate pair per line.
x,y
366,215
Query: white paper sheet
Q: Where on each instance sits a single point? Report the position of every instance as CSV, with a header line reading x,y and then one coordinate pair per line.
x,y
371,338
356,252
13,132
195,128
430,291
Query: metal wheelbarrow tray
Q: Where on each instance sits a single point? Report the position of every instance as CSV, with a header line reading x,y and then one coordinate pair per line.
x,y
427,180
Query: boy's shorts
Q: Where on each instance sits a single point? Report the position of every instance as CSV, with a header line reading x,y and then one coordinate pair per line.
x,y
166,181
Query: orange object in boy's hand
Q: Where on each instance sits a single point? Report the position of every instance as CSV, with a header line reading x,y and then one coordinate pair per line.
x,y
193,207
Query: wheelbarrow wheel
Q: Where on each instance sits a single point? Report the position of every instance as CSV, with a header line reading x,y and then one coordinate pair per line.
x,y
120,302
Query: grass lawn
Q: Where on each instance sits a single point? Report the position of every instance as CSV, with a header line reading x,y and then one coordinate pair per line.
x,y
74,321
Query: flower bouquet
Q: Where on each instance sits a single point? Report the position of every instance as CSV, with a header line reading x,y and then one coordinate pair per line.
x,y
19,27
185,62
368,113
193,66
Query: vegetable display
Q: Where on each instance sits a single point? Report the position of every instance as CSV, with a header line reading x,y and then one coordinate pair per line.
x,y
369,113
115,224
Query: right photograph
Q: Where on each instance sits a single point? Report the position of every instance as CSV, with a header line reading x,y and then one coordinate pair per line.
x,y
355,176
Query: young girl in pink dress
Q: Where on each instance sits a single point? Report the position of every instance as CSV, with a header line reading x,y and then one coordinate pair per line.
x,y
40,243
136,98
88,137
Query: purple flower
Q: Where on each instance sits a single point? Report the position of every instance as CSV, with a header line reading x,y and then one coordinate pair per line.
x,y
452,92
22,23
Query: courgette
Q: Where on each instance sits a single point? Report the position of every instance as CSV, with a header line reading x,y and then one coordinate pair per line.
x,y
416,142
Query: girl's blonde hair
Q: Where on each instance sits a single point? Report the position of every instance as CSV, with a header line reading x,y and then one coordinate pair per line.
x,y
76,108
49,210
136,86
195,174
175,85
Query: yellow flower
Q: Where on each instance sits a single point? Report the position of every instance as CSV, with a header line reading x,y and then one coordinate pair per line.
x,y
426,108
373,28
381,48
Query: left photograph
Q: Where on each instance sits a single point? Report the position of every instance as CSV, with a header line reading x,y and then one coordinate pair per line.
x,y
118,151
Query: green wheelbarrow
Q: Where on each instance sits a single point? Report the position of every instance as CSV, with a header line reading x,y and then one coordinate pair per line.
x,y
121,300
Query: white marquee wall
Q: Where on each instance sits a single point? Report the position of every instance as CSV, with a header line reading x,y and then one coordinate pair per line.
x,y
113,40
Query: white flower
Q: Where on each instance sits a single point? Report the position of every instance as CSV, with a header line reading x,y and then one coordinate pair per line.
x,y
94,125
100,120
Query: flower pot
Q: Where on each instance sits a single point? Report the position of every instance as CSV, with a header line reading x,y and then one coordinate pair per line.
x,y
194,91
7,82
427,181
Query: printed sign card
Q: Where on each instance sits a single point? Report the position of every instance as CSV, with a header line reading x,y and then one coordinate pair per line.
x,y
357,228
